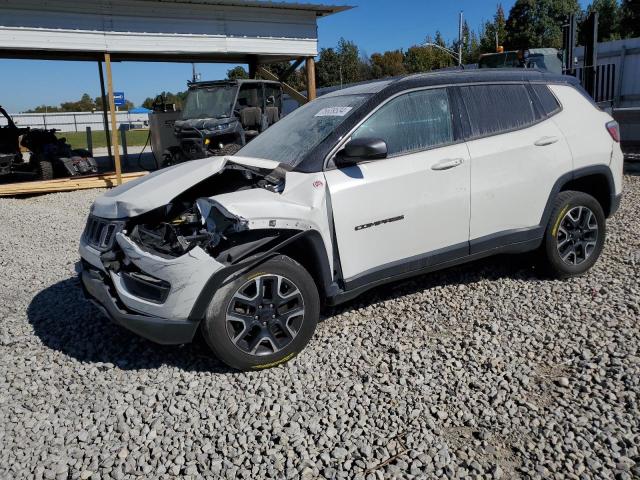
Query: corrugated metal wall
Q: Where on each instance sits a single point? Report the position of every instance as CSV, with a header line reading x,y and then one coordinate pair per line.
x,y
624,55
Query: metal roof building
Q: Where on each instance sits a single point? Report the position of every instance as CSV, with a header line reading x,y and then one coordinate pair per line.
x,y
254,32
170,30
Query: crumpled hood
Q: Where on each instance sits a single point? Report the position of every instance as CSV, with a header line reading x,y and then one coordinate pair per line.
x,y
159,188
156,189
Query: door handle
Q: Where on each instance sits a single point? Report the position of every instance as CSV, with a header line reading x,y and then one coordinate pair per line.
x,y
544,141
447,164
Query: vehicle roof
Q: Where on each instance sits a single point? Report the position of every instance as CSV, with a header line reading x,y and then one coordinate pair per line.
x,y
452,77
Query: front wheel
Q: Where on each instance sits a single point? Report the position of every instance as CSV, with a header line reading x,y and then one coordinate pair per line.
x,y
575,234
263,318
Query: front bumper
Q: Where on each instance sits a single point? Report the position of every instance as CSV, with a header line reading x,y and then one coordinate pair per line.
x,y
186,275
156,329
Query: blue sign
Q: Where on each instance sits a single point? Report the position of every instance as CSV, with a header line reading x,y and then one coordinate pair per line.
x,y
118,99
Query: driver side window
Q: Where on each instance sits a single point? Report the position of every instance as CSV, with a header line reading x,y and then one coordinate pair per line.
x,y
411,122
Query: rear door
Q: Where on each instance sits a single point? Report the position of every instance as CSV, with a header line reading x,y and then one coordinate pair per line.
x,y
517,154
399,213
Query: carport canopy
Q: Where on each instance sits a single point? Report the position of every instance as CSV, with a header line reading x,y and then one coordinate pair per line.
x,y
254,32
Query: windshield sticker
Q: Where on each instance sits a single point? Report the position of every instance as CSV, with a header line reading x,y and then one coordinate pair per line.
x,y
333,112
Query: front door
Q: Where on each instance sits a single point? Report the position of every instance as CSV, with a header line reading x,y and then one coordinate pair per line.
x,y
411,209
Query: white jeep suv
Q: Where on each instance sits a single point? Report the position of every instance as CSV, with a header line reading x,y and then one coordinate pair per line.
x,y
360,187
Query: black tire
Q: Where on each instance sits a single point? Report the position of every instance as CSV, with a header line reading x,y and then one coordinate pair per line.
x,y
44,170
233,341
571,246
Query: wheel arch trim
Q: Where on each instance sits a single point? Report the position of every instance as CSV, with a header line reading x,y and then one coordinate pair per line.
x,y
577,174
309,237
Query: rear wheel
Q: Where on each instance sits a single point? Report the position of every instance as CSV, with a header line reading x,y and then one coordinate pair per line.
x,y
265,317
575,234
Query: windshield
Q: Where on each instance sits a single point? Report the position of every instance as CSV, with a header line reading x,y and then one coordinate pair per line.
x,y
289,140
212,102
550,63
499,60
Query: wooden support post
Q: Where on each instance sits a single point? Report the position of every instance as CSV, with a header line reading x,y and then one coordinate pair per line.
x,y
253,66
311,78
112,112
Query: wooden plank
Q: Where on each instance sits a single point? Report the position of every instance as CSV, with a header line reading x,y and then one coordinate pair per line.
x,y
67,184
267,75
114,125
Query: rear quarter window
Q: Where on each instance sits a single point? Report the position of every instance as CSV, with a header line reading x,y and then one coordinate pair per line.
x,y
495,109
547,100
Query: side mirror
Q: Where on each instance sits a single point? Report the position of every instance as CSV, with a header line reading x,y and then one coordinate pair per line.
x,y
360,149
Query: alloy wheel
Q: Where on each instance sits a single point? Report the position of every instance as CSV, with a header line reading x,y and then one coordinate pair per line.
x,y
265,314
577,235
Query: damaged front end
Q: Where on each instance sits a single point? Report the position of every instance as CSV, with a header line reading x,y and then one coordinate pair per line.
x,y
188,229
157,262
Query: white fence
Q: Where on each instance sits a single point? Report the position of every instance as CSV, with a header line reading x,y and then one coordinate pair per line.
x,y
74,121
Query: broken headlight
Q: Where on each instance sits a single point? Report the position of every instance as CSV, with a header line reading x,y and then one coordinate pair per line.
x,y
176,237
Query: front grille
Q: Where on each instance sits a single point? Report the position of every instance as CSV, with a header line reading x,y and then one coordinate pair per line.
x,y
101,233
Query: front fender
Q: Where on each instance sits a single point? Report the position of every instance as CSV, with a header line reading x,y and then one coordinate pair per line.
x,y
260,254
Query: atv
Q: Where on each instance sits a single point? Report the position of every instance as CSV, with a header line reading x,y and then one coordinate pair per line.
x,y
50,156
53,157
10,154
220,117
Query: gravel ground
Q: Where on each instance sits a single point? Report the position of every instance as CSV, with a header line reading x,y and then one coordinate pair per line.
x,y
482,371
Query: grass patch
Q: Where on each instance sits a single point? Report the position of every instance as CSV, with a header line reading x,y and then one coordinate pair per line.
x,y
135,138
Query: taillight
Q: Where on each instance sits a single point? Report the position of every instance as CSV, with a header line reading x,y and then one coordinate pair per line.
x,y
614,130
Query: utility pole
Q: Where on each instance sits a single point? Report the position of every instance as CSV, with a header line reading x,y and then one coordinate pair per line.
x,y
460,39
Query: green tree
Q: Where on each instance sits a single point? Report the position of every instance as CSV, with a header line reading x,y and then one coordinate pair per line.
x,y
327,68
470,45
538,23
630,19
341,65
608,21
148,103
177,98
237,73
497,28
387,64
43,109
85,104
420,58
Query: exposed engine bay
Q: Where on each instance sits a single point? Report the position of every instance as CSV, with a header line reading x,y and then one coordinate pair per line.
x,y
193,219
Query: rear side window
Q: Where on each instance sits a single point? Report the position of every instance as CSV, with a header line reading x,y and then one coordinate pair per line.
x,y
495,109
548,102
413,121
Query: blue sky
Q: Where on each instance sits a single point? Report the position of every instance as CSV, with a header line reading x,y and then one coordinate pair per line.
x,y
375,25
